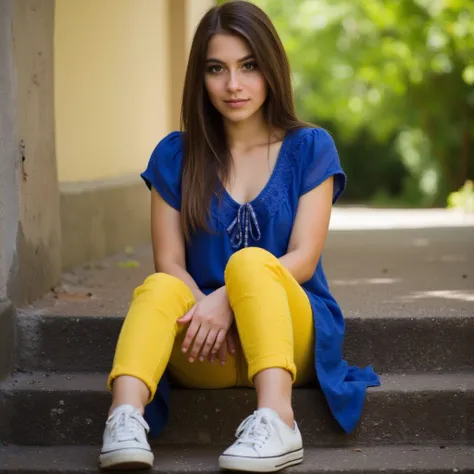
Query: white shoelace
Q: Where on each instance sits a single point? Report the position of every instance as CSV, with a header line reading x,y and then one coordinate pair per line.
x,y
127,426
254,430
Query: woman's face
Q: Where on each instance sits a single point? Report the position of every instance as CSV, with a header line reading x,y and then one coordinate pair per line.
x,y
236,87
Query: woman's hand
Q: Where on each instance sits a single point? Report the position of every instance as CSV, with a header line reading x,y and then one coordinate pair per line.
x,y
210,319
229,345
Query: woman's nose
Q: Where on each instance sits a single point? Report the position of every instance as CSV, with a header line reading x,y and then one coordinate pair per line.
x,y
233,84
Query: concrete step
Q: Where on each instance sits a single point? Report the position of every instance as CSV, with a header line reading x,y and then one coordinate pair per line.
x,y
69,409
390,343
177,460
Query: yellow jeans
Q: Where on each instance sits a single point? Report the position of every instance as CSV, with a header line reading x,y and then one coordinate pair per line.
x,y
273,316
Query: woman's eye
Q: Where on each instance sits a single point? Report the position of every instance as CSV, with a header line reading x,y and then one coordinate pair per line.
x,y
249,66
215,68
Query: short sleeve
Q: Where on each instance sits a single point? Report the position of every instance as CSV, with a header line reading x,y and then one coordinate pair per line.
x,y
164,169
320,161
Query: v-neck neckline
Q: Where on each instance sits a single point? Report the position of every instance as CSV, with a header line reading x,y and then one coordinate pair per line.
x,y
273,175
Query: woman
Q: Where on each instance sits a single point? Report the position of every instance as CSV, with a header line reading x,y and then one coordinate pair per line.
x,y
241,203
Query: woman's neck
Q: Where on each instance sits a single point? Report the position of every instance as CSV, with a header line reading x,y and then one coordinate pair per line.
x,y
244,135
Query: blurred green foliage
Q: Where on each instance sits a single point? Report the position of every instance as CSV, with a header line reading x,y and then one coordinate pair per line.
x,y
392,80
464,198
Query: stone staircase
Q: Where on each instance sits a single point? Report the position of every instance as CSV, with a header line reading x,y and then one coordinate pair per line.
x,y
421,420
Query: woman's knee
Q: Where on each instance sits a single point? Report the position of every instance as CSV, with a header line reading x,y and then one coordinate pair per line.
x,y
248,259
161,295
160,283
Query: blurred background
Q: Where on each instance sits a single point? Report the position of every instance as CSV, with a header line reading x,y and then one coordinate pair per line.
x,y
392,80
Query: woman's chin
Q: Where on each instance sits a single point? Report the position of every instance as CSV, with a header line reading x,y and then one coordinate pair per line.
x,y
237,116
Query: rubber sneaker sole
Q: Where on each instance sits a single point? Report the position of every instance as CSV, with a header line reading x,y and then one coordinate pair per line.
x,y
126,459
267,464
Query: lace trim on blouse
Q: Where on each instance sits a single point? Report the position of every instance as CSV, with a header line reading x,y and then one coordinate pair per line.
x,y
242,221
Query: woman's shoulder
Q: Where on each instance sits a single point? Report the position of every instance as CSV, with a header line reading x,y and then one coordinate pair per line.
x,y
164,169
314,135
170,145
167,156
318,160
308,144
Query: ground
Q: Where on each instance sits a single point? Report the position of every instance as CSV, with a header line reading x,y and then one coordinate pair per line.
x,y
402,263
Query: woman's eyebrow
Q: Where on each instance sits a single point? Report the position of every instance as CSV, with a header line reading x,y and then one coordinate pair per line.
x,y
215,60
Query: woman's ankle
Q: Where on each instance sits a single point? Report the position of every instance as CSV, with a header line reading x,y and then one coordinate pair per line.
x,y
274,390
116,404
284,411
127,390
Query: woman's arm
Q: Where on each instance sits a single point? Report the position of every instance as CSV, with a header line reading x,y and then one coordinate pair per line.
x,y
309,231
168,243
169,256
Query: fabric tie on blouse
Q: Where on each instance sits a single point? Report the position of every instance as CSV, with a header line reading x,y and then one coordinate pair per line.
x,y
245,223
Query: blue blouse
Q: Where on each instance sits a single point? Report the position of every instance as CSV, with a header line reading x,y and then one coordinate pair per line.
x,y
307,157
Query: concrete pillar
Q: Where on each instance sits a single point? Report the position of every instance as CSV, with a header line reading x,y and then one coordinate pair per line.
x,y
29,198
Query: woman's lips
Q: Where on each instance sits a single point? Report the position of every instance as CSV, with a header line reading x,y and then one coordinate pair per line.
x,y
235,104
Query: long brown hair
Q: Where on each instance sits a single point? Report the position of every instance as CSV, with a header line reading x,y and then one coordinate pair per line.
x,y
206,154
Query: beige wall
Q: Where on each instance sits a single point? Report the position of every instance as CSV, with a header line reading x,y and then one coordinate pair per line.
x,y
119,67
184,16
119,70
195,9
111,86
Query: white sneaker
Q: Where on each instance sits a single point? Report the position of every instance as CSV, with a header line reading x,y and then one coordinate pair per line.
x,y
125,441
264,444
